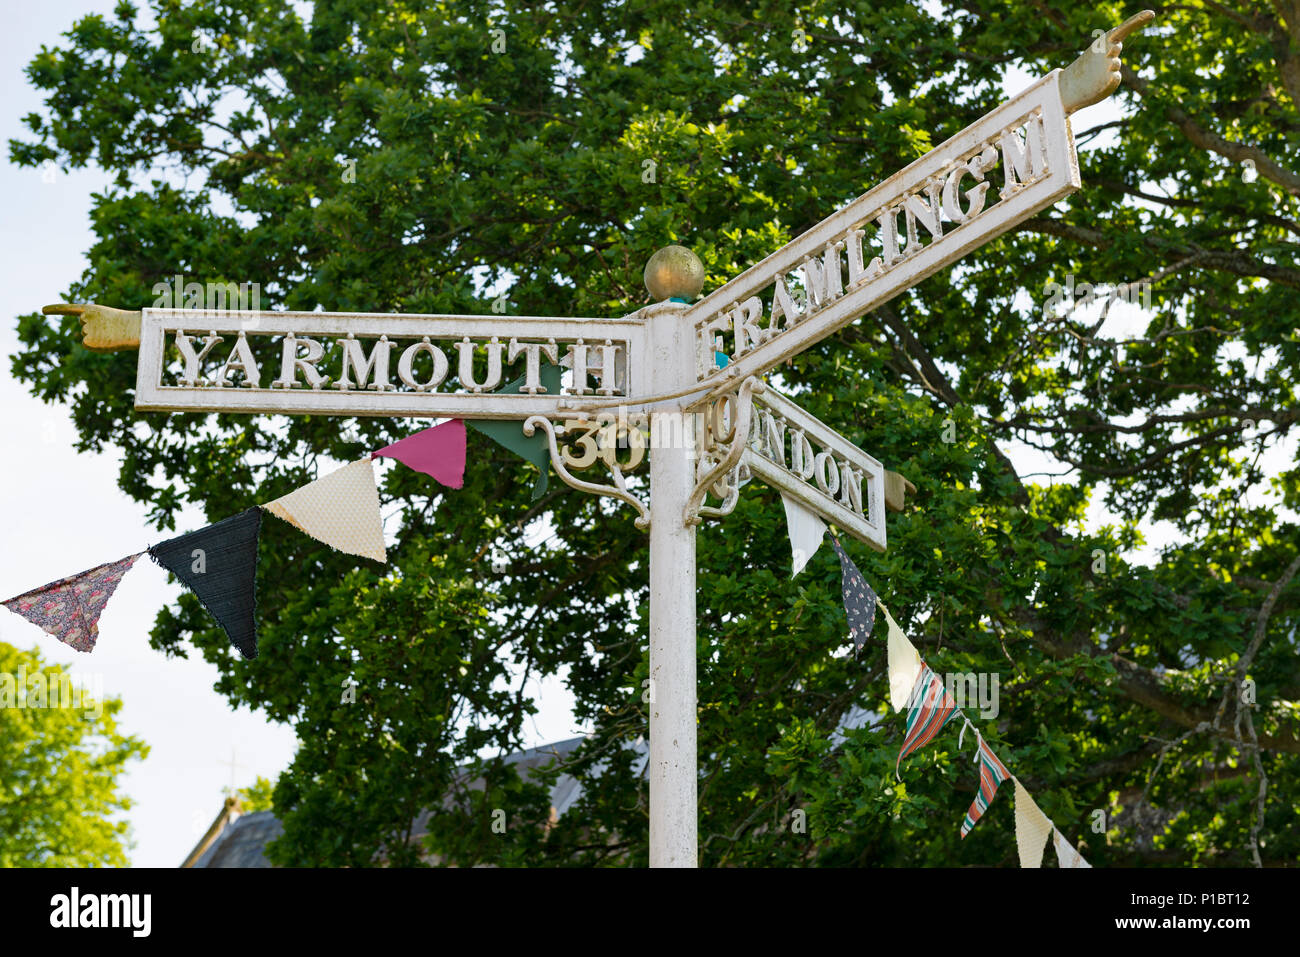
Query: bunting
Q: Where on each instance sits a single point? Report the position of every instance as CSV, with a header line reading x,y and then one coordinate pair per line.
x,y
806,531
930,708
219,565
1066,855
69,608
904,662
1032,828
859,598
992,774
341,509
438,451
509,433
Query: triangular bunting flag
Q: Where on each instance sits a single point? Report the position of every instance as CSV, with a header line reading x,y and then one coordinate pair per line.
x,y
341,509
904,662
992,773
805,529
438,451
69,608
929,708
219,564
859,598
1066,855
510,434
1032,828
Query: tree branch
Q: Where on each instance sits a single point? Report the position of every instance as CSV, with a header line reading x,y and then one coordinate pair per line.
x,y
1205,139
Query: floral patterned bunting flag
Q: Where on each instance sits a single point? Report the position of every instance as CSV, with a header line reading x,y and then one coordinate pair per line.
x,y
69,608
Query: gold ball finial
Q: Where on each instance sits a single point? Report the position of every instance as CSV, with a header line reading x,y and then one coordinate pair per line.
x,y
674,272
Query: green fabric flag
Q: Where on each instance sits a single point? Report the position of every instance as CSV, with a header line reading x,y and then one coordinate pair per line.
x,y
509,433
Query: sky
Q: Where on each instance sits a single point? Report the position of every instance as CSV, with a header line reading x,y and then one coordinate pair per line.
x,y
64,512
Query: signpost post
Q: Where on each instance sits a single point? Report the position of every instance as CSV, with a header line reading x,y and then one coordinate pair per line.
x,y
708,425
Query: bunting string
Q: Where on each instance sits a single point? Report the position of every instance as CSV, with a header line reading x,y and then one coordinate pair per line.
x,y
218,563
930,708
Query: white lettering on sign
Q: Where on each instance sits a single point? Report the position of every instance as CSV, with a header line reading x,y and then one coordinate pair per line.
x,y
1000,170
842,265
793,451
807,459
332,363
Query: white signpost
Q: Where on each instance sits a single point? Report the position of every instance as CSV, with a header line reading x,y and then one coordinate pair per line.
x,y
708,425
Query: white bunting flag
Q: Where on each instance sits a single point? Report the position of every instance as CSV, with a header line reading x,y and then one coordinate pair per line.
x,y
1065,854
904,663
1032,828
806,532
341,509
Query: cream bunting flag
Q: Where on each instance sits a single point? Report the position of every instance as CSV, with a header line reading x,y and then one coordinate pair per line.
x,y
904,662
341,509
1032,828
1065,854
806,532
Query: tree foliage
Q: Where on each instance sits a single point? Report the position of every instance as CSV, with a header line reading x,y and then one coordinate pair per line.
x,y
61,756
522,170
258,796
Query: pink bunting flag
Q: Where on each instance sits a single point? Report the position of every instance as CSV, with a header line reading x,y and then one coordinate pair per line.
x,y
439,451
69,608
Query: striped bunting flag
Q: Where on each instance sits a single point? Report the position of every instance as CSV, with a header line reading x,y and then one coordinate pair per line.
x,y
992,773
929,709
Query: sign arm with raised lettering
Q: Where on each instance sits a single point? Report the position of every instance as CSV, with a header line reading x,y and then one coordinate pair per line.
x,y
323,363
921,219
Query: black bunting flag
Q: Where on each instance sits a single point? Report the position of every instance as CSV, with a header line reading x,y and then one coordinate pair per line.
x,y
219,564
859,599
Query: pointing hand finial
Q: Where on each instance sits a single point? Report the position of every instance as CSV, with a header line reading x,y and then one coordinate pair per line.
x,y
103,328
1095,75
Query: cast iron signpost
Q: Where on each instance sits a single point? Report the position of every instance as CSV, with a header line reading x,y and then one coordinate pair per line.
x,y
711,423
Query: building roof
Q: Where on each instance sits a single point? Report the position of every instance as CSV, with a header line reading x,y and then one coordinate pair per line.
x,y
242,843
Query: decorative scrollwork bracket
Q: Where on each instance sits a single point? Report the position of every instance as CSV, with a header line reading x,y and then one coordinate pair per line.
x,y
617,490
729,491
721,447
